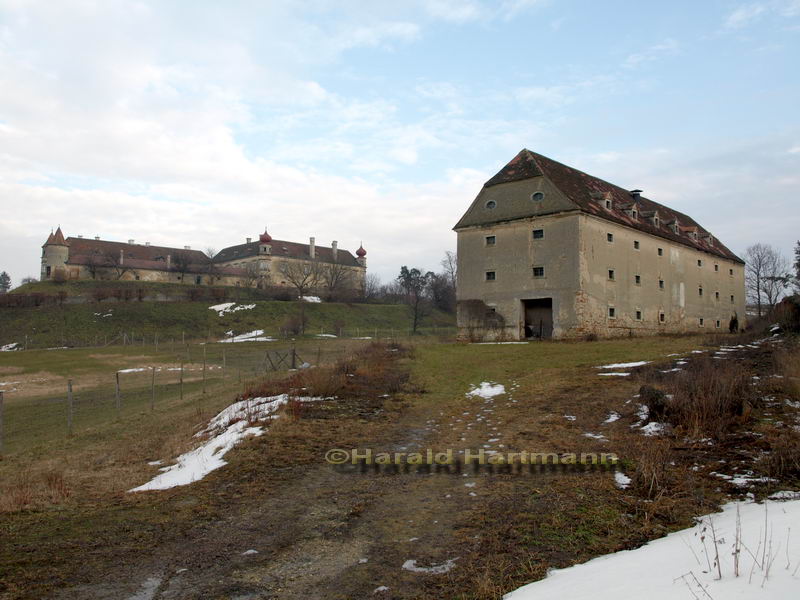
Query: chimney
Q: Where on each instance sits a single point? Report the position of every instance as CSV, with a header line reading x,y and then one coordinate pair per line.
x,y
121,256
80,237
187,247
249,240
635,194
147,243
334,249
130,242
169,261
97,237
312,248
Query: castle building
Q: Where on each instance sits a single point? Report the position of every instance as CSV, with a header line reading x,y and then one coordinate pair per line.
x,y
261,263
546,251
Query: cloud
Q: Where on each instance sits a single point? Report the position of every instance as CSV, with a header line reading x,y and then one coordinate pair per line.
x,y
669,47
745,15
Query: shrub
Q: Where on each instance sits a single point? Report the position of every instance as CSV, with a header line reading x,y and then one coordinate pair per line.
x,y
294,324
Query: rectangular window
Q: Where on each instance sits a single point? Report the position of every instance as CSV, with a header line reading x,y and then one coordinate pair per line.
x,y
47,271
716,268
702,322
538,234
637,279
638,315
716,296
491,240
662,317
612,312
700,291
730,271
732,300
699,263
608,204
636,244
610,237
538,272
491,275
661,252
661,284
611,274
717,324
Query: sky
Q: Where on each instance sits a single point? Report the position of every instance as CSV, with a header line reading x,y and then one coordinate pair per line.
x,y
199,123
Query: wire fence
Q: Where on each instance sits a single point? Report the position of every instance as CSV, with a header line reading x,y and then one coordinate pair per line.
x,y
202,378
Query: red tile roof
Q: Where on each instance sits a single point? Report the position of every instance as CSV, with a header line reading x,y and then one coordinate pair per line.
x,y
281,248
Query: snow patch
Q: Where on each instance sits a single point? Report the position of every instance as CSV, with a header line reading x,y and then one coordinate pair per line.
x,y
487,390
251,336
445,567
629,365
613,416
614,374
314,299
9,347
621,480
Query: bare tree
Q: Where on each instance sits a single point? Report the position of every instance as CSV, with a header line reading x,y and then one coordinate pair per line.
x,y
182,262
765,275
372,287
251,274
303,276
416,287
450,267
114,261
335,277
97,263
797,267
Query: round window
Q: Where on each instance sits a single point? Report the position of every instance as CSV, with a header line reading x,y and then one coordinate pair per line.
x,y
537,196
491,204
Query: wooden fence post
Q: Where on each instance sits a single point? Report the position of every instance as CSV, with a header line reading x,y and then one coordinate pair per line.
x,y
204,369
117,396
1,422
153,390
294,358
181,381
69,407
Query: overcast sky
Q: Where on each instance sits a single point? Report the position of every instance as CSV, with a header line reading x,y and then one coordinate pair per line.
x,y
197,123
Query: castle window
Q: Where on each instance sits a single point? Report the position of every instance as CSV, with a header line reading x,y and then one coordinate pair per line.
x,y
47,271
716,296
699,263
657,222
538,234
717,324
661,252
610,237
608,204
491,240
662,317
637,279
700,291
537,196
716,268
491,276
661,284
635,214
732,300
538,272
612,312
638,315
702,322
635,244
730,272
491,204
611,274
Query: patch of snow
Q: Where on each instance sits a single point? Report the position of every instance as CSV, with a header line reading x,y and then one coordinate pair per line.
x,y
621,480
487,390
676,566
498,343
629,365
471,484
155,463
614,374
230,307
249,552
785,495
9,347
743,480
325,335
613,416
445,567
251,336
314,299
570,417
226,429
595,436
652,429
379,589
136,370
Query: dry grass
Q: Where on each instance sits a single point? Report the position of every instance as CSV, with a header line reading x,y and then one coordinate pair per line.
x,y
787,364
783,460
709,398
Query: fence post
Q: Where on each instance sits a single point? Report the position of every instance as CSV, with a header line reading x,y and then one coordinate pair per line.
x,y
204,369
294,358
117,396
224,364
1,422
69,407
319,355
153,390
156,342
183,338
181,381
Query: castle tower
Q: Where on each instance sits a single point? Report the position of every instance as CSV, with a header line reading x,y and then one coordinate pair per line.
x,y
55,254
362,256
265,243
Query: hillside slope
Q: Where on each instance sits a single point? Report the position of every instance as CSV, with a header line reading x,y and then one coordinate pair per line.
x,y
92,323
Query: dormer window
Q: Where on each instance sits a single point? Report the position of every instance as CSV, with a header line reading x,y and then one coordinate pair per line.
x,y
609,205
656,222
537,196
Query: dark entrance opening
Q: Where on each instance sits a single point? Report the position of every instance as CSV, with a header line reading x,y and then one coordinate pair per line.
x,y
538,318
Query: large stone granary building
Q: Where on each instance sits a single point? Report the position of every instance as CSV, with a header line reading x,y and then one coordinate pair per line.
x,y
262,263
546,250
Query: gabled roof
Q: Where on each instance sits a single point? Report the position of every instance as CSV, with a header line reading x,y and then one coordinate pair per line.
x,y
83,251
589,193
281,248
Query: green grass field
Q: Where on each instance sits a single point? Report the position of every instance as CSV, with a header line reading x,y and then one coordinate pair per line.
x,y
88,325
